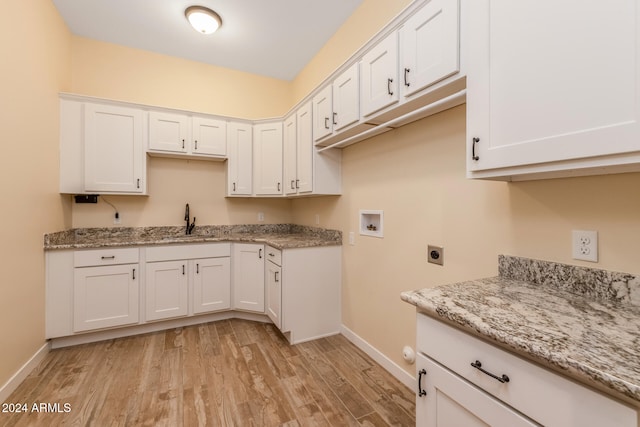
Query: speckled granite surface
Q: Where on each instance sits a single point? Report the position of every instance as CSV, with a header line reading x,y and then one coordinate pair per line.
x,y
280,236
582,322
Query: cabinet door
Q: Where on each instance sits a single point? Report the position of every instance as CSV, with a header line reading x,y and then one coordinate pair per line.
x,y
323,113
211,285
429,43
209,136
248,277
113,149
239,162
290,155
267,158
274,293
105,296
168,132
346,99
166,290
379,71
547,85
450,401
305,149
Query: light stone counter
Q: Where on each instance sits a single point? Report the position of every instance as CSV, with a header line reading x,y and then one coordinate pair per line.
x,y
582,322
280,236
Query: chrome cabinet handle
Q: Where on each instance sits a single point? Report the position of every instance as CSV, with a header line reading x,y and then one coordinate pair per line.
x,y
183,144
421,392
275,276
195,144
108,257
297,183
260,253
389,81
279,187
292,187
326,122
335,117
503,379
138,183
197,268
474,156
183,269
234,186
406,73
133,274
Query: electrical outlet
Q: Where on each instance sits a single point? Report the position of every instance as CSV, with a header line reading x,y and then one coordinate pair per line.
x,y
435,254
352,238
317,219
260,216
116,218
585,245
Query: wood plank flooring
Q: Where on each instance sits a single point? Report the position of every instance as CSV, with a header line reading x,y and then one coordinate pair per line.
x,y
227,373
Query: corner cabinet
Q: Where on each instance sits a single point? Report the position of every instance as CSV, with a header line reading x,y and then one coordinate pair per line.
x,y
101,148
465,381
552,91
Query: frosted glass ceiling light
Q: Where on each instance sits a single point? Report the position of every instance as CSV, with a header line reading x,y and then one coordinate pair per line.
x,y
202,19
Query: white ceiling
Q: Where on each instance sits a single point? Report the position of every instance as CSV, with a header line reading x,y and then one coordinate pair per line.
x,y
274,38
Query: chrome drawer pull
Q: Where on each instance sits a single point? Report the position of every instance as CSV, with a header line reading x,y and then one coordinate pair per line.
x,y
478,366
108,257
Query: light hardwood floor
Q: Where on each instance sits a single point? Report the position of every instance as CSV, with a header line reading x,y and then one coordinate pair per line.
x,y
227,373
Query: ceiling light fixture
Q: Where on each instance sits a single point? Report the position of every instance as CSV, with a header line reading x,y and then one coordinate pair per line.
x,y
202,19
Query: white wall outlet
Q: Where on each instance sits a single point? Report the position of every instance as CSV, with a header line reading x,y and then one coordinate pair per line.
x,y
585,245
352,238
260,216
117,218
435,254
317,219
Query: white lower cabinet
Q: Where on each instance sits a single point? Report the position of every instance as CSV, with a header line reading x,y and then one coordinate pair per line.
x,y
187,279
273,273
167,290
211,284
465,381
248,277
93,290
105,296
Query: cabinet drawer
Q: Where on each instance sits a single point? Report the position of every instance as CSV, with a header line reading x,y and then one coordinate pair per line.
x,y
192,251
546,397
274,255
105,256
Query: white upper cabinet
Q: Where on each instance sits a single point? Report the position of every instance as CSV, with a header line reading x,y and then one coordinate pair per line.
x,y
553,88
183,134
113,144
290,139
267,159
337,105
323,113
379,76
240,159
305,154
346,102
429,46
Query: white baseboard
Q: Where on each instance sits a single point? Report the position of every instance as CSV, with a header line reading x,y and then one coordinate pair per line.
x,y
23,372
401,375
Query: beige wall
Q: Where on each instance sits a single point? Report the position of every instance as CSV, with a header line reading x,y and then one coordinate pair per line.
x,y
35,68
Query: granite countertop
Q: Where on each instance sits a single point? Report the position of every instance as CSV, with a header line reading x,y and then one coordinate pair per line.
x,y
280,236
584,323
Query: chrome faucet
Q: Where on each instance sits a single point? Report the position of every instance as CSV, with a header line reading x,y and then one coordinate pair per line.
x,y
190,227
